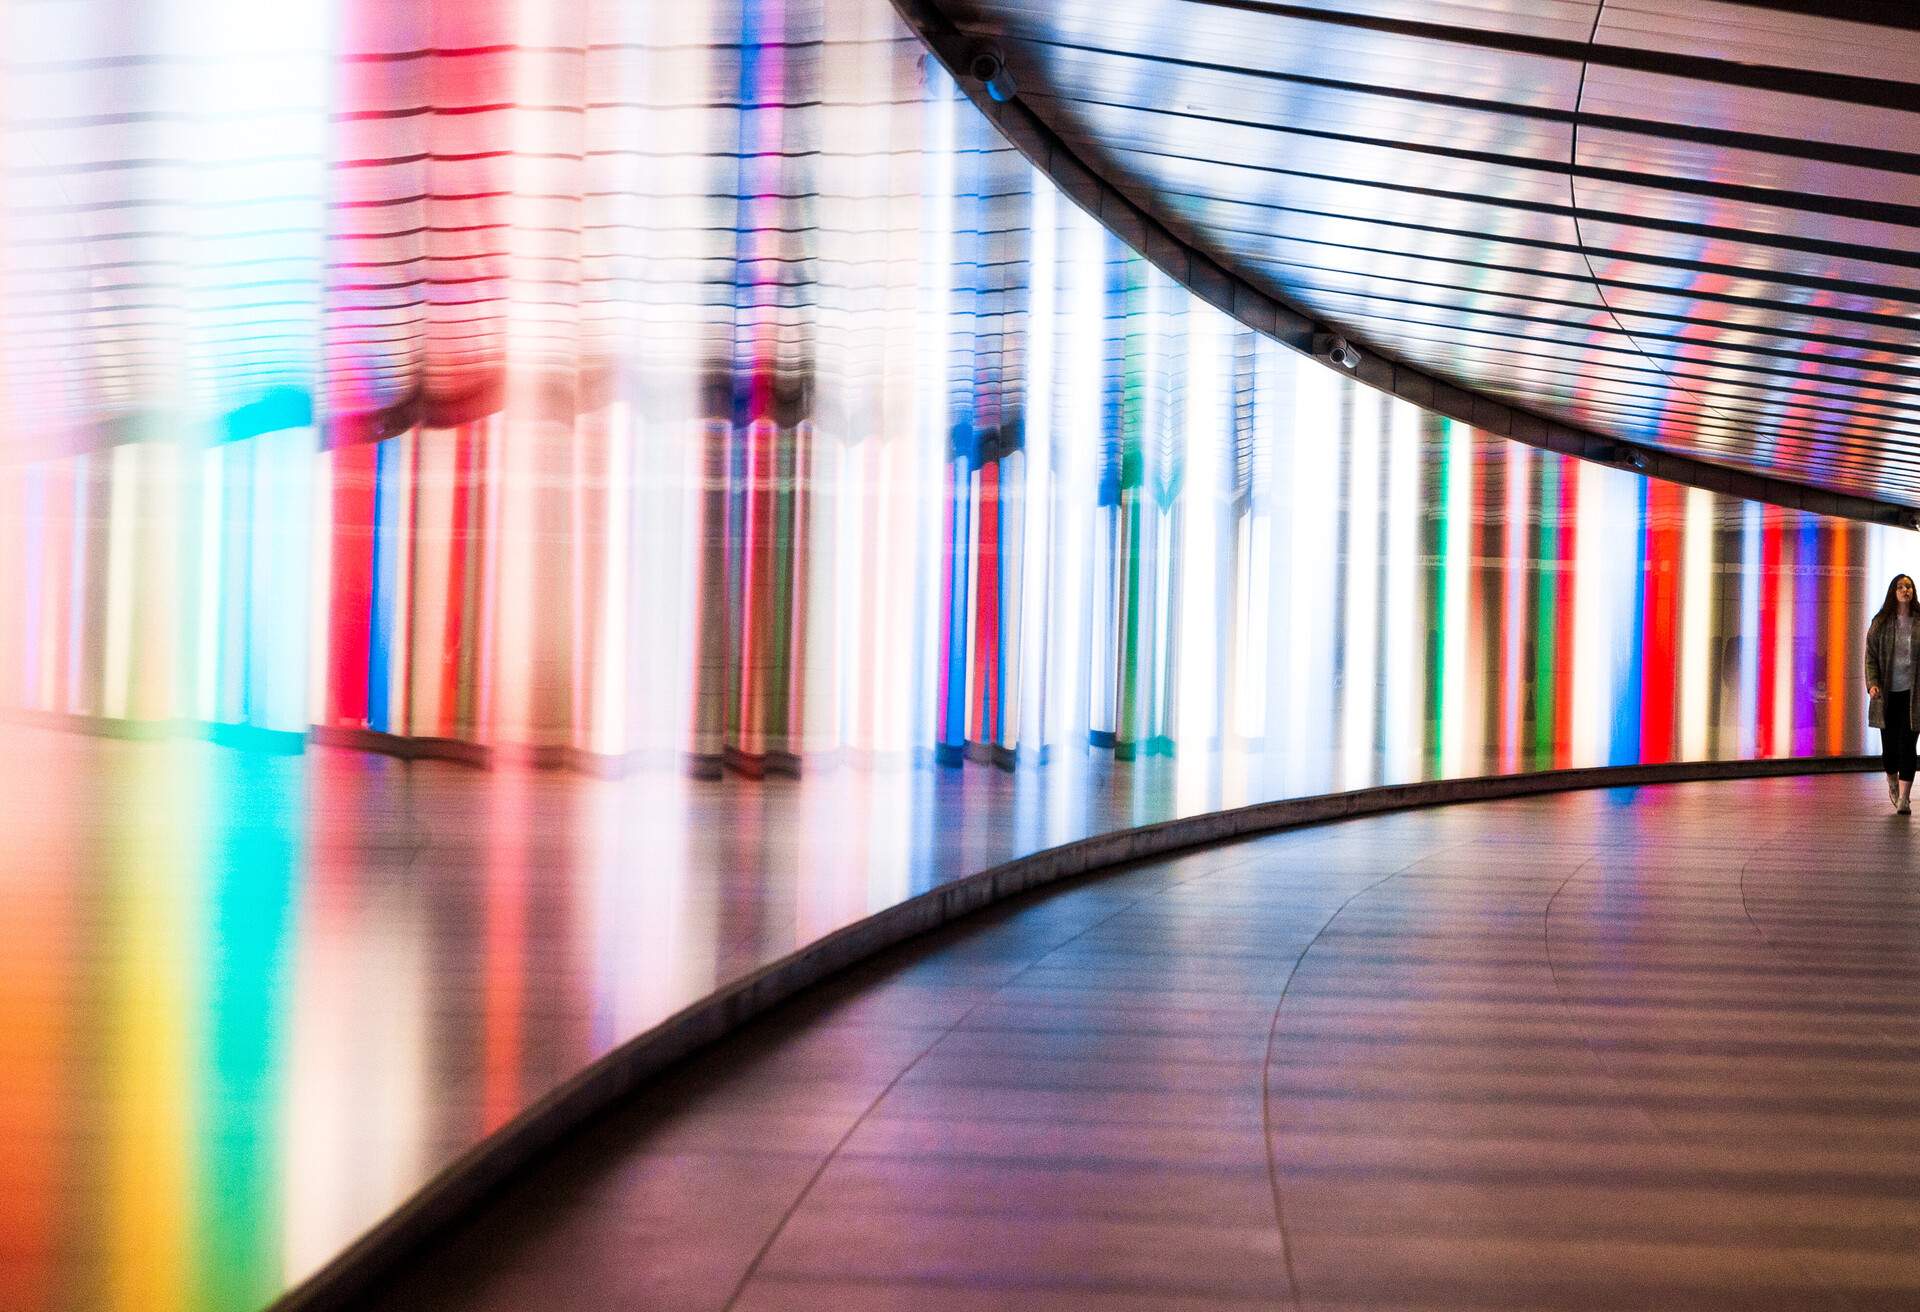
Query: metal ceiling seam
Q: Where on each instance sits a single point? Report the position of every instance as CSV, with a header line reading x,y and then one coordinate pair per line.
x,y
1882,158
1821,84
1213,281
1777,241
1827,439
1893,214
1580,237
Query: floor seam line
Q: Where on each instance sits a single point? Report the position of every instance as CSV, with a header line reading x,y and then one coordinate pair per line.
x,y
1667,1136
833,1153
1266,1066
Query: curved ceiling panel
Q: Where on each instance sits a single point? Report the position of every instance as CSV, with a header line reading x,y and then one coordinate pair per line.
x,y
1690,225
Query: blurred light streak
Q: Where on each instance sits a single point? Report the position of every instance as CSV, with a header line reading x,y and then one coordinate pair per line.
x,y
1456,545
1404,668
1695,657
1510,680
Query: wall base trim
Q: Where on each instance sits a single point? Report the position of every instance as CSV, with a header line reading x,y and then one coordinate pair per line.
x,y
247,737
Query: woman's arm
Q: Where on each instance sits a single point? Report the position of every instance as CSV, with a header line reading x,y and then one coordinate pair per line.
x,y
1873,665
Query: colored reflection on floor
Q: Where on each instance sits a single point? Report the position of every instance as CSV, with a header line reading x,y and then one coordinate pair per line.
x,y
255,1000
148,906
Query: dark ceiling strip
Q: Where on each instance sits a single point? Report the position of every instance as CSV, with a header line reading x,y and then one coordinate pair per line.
x,y
1877,393
1895,323
1847,87
1848,251
1459,316
1539,369
1573,193
1902,14
1744,273
1878,158
1781,197
1232,293
1473,200
1511,326
1539,339
1782,310
1901,333
1893,213
1410,95
1639,402
1883,159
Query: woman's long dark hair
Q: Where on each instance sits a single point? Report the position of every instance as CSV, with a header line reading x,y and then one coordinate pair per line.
x,y
1892,603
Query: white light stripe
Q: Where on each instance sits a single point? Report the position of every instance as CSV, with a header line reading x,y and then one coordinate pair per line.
x,y
1696,616
1360,691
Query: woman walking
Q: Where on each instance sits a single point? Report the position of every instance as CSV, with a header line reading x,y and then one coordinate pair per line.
x,y
1893,648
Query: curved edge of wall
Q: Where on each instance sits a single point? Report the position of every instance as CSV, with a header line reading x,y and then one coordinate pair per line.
x,y
1216,283
489,1166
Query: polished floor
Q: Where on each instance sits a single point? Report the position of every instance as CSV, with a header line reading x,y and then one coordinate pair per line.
x,y
1649,1049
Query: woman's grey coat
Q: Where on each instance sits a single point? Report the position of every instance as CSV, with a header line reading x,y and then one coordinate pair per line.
x,y
1880,666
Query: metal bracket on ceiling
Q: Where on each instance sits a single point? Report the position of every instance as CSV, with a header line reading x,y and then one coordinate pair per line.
x,y
988,66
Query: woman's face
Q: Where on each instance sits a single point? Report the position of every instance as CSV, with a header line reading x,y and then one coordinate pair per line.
x,y
1903,591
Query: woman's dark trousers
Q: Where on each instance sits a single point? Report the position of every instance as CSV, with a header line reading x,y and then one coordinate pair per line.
x,y
1897,738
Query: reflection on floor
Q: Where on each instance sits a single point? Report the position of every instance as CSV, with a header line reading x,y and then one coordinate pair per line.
x,y
1650,1049
252,1001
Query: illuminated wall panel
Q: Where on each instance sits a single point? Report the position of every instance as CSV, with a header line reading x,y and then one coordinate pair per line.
x,y
553,591
831,435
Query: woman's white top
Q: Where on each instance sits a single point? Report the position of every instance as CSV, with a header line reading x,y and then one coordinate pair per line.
x,y
1900,677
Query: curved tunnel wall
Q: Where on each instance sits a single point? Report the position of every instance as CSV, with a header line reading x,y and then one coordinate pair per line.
x,y
1209,545
817,429
689,384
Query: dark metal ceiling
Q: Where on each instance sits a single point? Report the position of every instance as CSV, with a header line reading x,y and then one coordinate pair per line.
x,y
1690,224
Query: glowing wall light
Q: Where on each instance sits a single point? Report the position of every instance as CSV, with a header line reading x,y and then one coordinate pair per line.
x,y
1359,616
1518,462
1749,638
1200,660
1456,563
1312,505
685,398
1698,600
1403,669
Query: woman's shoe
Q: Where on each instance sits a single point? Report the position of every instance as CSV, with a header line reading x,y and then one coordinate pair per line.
x,y
1902,807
